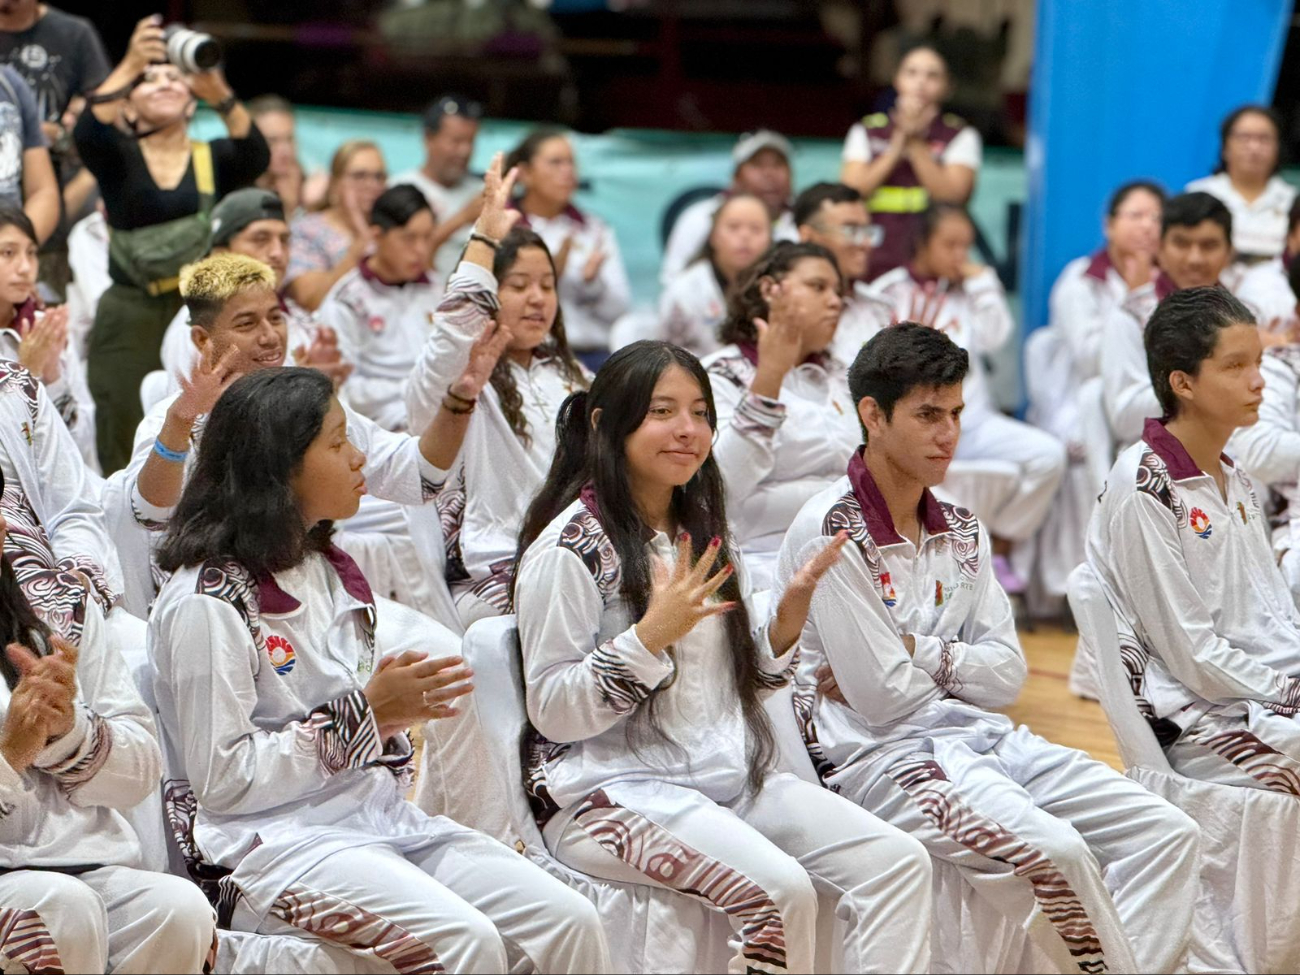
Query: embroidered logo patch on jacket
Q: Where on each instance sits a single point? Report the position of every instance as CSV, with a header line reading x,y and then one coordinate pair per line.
x,y
1201,523
887,590
281,653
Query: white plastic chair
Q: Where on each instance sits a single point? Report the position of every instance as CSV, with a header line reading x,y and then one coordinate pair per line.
x,y
1250,838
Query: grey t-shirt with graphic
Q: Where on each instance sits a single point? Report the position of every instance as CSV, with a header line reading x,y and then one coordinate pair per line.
x,y
20,130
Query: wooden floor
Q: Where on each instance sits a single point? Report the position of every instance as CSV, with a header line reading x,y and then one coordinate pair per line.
x,y
1046,704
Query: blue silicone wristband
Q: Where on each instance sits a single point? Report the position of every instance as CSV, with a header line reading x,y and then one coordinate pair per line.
x,y
166,453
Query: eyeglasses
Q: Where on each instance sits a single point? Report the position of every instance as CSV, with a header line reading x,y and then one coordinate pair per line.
x,y
458,106
367,176
860,233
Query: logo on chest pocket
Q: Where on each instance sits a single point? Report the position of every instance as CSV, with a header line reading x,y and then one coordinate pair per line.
x,y
1201,523
281,653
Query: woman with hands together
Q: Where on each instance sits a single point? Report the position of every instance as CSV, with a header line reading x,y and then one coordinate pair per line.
x,y
786,424
644,680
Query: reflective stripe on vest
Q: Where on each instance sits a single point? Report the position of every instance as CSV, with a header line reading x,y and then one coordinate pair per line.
x,y
899,199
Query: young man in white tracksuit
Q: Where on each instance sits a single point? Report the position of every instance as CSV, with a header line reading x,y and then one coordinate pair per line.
x,y
1195,249
914,642
1181,545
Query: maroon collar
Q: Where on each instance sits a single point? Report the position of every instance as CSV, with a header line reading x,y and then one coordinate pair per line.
x,y
875,512
371,275
272,599
1099,265
750,351
570,211
1164,286
1170,449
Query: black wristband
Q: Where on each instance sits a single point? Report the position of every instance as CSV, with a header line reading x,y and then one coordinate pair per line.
x,y
485,239
226,105
103,98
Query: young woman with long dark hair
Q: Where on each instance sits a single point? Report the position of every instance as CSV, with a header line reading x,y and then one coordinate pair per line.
x,y
507,281
645,672
785,419
285,719
77,749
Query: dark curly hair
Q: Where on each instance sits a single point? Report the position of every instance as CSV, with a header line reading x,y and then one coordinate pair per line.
x,y
503,380
747,302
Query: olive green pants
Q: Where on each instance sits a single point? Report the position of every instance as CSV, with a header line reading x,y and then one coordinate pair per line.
x,y
123,348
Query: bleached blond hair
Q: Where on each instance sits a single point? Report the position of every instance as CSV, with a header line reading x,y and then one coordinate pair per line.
x,y
208,284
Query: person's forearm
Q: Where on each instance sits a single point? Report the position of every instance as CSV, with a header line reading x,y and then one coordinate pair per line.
x,y
42,209
238,121
118,81
78,191
767,382
867,177
161,480
310,288
442,438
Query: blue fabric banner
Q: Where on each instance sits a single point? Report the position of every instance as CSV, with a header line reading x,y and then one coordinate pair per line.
x,y
1123,89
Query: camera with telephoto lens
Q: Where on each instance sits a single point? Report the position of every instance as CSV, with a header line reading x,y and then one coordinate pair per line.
x,y
190,50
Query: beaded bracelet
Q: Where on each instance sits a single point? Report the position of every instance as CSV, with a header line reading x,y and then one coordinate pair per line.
x,y
167,454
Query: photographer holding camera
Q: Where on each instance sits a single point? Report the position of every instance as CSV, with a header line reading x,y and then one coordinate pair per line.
x,y
158,189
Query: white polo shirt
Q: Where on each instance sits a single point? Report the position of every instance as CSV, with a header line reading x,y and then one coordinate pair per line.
x,y
1258,227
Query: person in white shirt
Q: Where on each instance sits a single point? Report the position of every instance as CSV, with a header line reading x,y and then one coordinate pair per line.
x,y
1209,629
1269,450
39,339
88,261
77,749
785,420
1063,366
382,310
942,289
903,160
1247,180
252,222
762,169
1266,291
284,713
651,761
593,285
834,216
450,128
911,644
694,304
504,294
1195,251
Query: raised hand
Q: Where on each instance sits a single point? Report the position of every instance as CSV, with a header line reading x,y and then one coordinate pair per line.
x,y
562,255
410,688
792,611
41,349
496,218
680,597
211,86
780,344
42,706
147,45
323,354
484,355
1137,269
592,267
211,377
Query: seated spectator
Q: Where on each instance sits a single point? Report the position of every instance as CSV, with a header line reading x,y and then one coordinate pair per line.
x,y
284,176
330,241
593,285
1266,290
77,749
762,169
942,289
238,325
834,216
252,222
88,262
1269,450
382,309
1247,181
695,303
1195,250
647,691
784,418
450,128
39,339
500,315
158,190
297,785
911,643
904,160
1179,541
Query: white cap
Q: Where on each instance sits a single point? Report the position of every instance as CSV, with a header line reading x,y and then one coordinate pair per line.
x,y
752,143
